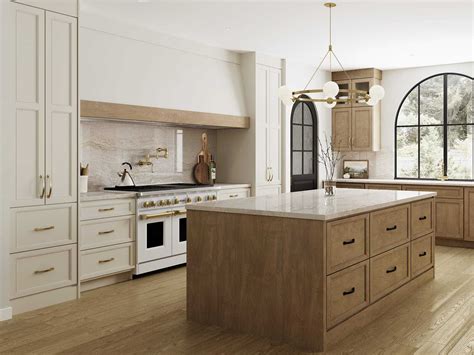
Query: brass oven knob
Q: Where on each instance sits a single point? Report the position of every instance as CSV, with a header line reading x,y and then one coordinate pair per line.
x,y
168,202
188,200
214,197
176,201
161,203
146,204
199,199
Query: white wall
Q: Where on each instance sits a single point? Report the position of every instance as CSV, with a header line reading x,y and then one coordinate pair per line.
x,y
123,63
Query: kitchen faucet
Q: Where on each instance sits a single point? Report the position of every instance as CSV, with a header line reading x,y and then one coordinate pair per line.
x,y
160,153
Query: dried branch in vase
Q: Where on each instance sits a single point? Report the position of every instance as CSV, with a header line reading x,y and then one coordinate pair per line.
x,y
328,157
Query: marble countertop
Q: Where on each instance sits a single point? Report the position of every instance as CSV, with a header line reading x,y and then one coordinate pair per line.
x,y
313,204
106,195
410,182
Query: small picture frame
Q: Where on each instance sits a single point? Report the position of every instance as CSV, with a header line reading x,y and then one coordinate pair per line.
x,y
357,169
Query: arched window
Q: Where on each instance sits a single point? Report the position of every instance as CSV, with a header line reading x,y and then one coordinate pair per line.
x,y
434,129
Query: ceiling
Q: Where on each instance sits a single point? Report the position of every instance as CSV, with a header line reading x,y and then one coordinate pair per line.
x,y
383,34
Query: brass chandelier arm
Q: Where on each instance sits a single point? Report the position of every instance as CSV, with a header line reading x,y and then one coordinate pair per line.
x,y
314,91
319,66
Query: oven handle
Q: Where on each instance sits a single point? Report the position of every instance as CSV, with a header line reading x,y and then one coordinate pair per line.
x,y
158,215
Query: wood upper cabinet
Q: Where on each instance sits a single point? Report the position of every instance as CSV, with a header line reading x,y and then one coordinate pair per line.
x,y
67,7
362,84
469,214
361,139
341,129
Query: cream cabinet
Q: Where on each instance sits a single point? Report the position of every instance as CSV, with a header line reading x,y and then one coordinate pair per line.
x,y
67,7
44,128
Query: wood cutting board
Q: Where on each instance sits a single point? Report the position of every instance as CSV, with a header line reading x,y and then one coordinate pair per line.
x,y
201,171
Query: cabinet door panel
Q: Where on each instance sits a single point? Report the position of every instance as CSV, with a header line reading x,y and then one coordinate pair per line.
x,y
67,7
362,84
449,218
273,127
61,108
341,129
469,214
27,131
261,124
362,129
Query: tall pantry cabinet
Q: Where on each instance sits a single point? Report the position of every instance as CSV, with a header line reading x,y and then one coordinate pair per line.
x,y
43,130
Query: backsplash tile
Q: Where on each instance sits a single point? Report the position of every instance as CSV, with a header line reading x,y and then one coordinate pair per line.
x,y
106,144
381,164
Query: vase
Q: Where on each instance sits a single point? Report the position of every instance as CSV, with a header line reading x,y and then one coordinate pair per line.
x,y
329,187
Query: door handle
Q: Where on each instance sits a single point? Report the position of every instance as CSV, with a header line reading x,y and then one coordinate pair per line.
x,y
179,213
44,271
391,228
422,218
158,215
106,261
50,186
43,186
107,232
267,174
422,254
106,209
40,229
352,290
346,242
393,269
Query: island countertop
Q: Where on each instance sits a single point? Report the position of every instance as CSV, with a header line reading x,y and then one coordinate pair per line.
x,y
313,204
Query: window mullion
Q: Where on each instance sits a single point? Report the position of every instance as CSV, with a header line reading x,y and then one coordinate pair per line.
x,y
419,134
445,126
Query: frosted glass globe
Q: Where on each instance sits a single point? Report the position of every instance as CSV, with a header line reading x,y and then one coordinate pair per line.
x,y
372,102
330,102
377,92
330,89
286,95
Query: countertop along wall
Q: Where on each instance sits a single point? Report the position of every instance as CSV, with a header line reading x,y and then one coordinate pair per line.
x,y
397,83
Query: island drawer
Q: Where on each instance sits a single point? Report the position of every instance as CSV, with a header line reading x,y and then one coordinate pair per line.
x,y
389,228
442,191
103,232
422,255
347,242
347,293
422,218
108,260
388,271
108,208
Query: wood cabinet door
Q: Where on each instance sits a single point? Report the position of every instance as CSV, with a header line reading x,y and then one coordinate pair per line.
x,y
61,108
361,129
341,129
343,94
449,218
469,214
27,126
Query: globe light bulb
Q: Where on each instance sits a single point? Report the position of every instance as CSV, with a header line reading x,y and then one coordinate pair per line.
x,y
330,89
330,102
371,102
286,95
377,92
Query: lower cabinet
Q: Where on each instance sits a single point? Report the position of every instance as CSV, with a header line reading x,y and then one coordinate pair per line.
x,y
469,214
107,260
449,218
228,194
422,254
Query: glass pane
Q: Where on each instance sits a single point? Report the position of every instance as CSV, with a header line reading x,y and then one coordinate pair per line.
x,y
431,101
308,163
154,234
460,152
342,95
431,152
297,141
297,161
308,138
407,152
460,99
307,116
408,114
298,114
182,229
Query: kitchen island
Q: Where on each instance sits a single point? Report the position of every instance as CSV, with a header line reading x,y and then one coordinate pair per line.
x,y
307,269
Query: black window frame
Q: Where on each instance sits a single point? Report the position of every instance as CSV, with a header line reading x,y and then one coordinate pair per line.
x,y
445,126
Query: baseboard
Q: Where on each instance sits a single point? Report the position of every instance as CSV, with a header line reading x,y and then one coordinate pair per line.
x,y
457,243
44,299
105,281
6,314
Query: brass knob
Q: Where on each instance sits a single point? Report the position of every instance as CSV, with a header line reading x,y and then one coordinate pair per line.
x,y
199,199
188,200
214,197
148,204
161,203
168,202
208,198
176,201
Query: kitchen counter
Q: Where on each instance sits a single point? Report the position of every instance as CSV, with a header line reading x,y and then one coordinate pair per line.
x,y
409,182
313,204
106,195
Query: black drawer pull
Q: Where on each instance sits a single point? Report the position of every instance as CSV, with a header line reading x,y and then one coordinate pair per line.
x,y
422,254
352,290
391,228
422,218
393,269
345,242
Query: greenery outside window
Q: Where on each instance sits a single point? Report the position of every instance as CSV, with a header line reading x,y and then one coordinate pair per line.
x,y
434,129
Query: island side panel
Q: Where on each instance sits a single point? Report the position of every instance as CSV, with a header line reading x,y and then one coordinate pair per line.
x,y
257,274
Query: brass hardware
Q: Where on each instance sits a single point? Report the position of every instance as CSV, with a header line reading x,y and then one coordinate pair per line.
x,y
161,203
50,186
107,232
179,213
44,271
188,200
162,150
176,201
267,174
147,204
330,4
233,196
214,197
199,199
158,215
106,209
43,183
43,229
160,153
106,260
168,202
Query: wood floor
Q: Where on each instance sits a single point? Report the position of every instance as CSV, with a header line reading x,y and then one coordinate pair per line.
x,y
148,316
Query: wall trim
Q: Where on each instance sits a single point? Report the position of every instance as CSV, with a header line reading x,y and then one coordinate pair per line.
x,y
6,314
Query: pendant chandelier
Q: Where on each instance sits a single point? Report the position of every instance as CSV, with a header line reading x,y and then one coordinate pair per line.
x,y
331,90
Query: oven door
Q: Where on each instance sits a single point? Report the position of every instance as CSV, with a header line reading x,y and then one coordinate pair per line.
x,y
179,232
154,235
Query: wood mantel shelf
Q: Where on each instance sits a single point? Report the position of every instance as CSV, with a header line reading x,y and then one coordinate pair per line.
x,y
109,110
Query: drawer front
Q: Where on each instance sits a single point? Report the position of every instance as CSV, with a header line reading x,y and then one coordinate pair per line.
x,y
349,185
422,218
388,271
347,242
109,231
383,187
422,254
108,260
389,228
43,270
232,194
110,208
442,191
347,293
43,227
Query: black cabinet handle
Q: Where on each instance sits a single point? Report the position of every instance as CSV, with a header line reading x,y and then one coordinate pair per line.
x,y
345,242
422,218
393,269
422,254
352,290
391,228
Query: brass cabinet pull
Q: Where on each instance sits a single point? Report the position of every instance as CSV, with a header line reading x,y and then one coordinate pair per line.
x,y
158,215
391,228
107,232
352,290
232,196
422,254
50,186
422,218
42,182
44,271
106,209
346,242
267,174
392,269
106,260
40,229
